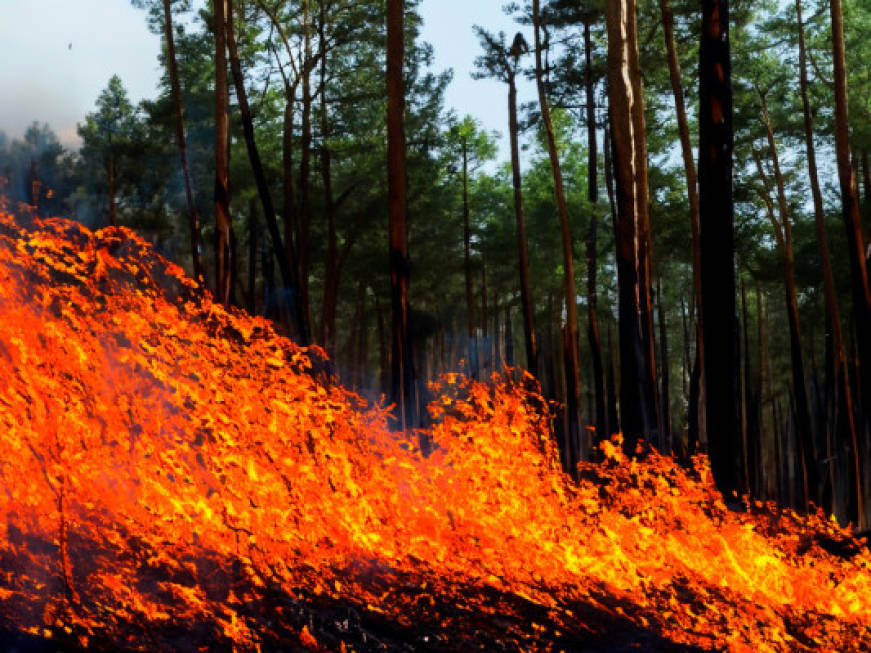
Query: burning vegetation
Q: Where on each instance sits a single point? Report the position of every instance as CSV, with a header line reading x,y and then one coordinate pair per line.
x,y
176,476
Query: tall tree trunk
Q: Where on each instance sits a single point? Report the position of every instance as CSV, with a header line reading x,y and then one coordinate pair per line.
x,y
841,372
603,429
522,249
172,67
716,216
291,221
263,191
467,266
331,261
691,181
304,215
402,383
223,221
637,384
783,232
571,341
850,206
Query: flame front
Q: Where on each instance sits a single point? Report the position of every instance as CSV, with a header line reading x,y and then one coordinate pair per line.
x,y
174,477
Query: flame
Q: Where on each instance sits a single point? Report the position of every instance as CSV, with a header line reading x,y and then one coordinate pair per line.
x,y
175,477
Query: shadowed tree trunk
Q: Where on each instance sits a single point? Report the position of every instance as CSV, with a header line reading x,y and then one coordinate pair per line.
x,y
716,216
573,454
844,393
223,222
304,214
402,383
603,428
291,293
467,265
172,67
253,228
637,384
665,397
110,178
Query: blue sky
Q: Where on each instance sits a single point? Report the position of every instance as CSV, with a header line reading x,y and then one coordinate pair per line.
x,y
56,60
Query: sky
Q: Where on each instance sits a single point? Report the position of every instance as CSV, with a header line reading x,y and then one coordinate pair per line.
x,y
59,54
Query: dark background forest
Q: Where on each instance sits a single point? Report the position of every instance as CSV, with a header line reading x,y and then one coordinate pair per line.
x,y
599,257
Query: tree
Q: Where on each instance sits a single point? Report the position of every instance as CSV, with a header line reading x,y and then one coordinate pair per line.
x,y
110,134
402,364
574,448
716,215
223,220
637,378
502,62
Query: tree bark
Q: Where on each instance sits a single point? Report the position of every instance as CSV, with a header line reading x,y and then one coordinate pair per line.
x,y
303,250
292,293
110,174
522,248
571,342
223,221
665,397
467,266
716,215
637,383
402,383
172,67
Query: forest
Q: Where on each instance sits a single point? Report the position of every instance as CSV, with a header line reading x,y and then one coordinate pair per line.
x,y
668,274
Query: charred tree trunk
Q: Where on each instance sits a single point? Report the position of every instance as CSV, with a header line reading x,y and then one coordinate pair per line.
x,y
839,363
260,180
110,178
402,384
172,67
253,228
716,216
223,221
522,250
637,383
664,394
571,340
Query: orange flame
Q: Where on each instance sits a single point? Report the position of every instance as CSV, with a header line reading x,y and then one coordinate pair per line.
x,y
173,477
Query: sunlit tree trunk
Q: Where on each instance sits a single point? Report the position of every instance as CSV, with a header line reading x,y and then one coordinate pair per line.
x,y
570,342
223,222
637,382
402,383
716,215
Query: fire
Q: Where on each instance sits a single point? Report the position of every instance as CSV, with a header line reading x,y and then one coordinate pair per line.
x,y
176,476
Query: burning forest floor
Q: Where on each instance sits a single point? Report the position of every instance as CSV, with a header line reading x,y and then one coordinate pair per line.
x,y
175,477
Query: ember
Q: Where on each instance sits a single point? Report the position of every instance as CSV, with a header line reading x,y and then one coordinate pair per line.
x,y
175,478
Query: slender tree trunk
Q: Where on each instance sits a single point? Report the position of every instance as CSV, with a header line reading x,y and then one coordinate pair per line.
x,y
601,414
522,251
331,262
852,221
402,362
253,228
223,258
304,215
783,231
291,221
637,392
665,396
110,174
571,340
260,180
841,372
691,181
716,215
172,67
467,266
